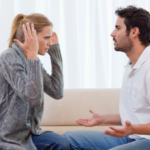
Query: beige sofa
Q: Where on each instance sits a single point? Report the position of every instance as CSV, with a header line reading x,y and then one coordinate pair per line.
x,y
61,115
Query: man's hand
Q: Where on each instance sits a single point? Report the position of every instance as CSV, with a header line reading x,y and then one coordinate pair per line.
x,y
121,132
95,120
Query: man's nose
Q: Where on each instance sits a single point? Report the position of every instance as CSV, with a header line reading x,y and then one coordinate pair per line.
x,y
113,34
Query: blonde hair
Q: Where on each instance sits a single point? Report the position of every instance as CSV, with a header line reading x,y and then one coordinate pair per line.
x,y
38,20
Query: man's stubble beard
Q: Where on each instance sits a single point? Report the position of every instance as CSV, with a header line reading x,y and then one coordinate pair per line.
x,y
125,45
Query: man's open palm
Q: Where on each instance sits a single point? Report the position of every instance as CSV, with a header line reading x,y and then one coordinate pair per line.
x,y
93,121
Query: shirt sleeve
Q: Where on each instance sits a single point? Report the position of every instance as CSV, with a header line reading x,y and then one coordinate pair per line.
x,y
26,84
53,84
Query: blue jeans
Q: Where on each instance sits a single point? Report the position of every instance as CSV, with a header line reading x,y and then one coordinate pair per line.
x,y
50,141
97,140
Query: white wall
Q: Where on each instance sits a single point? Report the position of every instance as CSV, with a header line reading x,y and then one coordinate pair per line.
x,y
84,28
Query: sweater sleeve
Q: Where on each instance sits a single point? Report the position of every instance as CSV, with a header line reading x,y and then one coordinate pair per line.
x,y
27,85
53,84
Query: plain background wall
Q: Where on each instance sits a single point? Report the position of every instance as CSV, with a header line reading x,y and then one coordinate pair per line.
x,y
83,28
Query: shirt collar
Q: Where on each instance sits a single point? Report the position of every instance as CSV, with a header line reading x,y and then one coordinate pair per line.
x,y
143,57
128,64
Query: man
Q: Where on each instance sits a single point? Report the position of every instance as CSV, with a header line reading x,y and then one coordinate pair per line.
x,y
131,36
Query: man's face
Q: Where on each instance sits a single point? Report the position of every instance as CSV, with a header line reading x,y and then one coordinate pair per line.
x,y
122,42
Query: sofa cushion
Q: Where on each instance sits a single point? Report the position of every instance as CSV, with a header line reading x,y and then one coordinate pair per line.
x,y
76,104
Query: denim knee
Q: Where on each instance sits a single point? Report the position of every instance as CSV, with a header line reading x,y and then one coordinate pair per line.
x,y
63,145
68,134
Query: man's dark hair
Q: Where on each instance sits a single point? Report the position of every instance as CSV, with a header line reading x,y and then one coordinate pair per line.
x,y
136,17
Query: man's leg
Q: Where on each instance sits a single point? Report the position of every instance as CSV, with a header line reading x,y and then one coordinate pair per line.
x,y
93,140
142,144
50,141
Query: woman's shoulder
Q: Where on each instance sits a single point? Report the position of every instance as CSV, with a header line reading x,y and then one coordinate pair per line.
x,y
9,55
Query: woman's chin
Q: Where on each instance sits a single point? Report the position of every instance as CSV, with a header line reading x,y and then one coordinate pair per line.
x,y
42,54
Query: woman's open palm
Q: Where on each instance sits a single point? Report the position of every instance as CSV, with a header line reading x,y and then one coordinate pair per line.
x,y
30,45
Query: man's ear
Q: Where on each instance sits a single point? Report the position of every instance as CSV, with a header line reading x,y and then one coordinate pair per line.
x,y
135,32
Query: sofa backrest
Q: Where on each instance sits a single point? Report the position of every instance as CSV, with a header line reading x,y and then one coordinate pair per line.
x,y
76,104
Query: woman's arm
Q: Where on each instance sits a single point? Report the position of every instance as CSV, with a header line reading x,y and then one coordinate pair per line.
x,y
53,85
26,86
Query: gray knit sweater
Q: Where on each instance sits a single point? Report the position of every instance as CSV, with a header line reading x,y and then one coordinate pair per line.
x,y
22,86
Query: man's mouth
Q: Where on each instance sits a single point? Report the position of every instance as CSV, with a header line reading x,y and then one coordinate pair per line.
x,y
114,41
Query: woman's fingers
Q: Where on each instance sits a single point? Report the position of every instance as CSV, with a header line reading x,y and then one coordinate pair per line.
x,y
54,34
25,31
54,38
33,31
28,29
29,32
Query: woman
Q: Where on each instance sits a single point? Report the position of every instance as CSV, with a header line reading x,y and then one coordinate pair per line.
x,y
23,82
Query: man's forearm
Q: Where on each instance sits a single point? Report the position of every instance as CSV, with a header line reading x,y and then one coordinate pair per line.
x,y
111,119
141,129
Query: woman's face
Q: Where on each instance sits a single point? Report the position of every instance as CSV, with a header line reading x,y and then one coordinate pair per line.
x,y
44,39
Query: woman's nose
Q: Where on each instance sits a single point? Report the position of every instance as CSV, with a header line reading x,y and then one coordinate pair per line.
x,y
50,42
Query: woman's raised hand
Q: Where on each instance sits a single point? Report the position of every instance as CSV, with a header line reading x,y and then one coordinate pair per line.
x,y
54,38
30,45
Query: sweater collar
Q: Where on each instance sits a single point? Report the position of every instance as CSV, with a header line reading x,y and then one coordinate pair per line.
x,y
20,52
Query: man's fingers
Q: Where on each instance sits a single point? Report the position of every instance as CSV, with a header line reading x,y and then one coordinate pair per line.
x,y
80,123
112,133
121,130
128,123
91,111
83,122
18,42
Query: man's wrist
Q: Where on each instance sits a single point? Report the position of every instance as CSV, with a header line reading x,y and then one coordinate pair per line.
x,y
134,129
103,119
